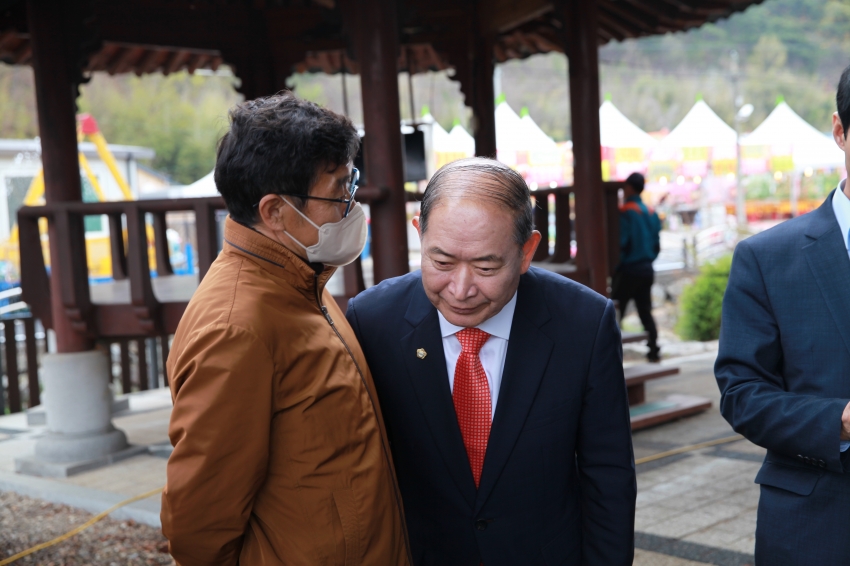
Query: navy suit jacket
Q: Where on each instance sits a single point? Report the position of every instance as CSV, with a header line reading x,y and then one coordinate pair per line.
x,y
784,374
558,484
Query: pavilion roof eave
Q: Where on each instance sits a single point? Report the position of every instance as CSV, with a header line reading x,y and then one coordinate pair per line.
x,y
521,29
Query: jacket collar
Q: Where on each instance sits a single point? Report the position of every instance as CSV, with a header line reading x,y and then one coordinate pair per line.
x,y
827,257
274,257
822,219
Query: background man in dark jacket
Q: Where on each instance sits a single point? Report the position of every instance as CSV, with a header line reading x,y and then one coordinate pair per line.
x,y
502,388
784,372
639,246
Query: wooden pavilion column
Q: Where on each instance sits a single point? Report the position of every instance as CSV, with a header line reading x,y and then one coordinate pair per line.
x,y
483,103
55,93
377,47
581,47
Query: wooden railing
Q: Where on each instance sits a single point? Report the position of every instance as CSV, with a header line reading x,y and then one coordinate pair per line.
x,y
145,315
22,344
144,321
564,228
138,364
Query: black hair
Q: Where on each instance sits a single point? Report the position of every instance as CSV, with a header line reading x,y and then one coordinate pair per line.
x,y
636,181
279,145
493,180
842,99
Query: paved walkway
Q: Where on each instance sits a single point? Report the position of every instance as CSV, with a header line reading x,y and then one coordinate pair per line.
x,y
694,508
698,507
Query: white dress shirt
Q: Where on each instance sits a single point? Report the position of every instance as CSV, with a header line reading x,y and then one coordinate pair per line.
x,y
492,353
841,208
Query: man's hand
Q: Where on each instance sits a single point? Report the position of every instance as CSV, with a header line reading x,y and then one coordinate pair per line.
x,y
845,423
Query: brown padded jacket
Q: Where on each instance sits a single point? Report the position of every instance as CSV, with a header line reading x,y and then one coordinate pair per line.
x,y
280,453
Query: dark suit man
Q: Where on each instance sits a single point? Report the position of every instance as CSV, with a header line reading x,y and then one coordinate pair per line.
x,y
784,372
502,388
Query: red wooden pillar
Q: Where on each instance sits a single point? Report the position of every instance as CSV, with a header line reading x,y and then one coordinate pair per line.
x,y
377,47
580,18
483,103
55,93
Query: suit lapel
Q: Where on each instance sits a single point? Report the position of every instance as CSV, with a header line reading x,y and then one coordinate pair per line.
x,y
431,382
827,257
527,357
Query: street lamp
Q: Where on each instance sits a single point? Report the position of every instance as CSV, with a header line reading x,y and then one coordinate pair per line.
x,y
742,113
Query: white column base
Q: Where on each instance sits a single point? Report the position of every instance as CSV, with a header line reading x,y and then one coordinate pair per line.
x,y
78,404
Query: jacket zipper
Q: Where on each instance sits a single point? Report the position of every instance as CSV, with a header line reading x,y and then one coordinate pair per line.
x,y
386,451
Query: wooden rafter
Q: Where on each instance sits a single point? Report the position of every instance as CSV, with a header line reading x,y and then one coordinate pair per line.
x,y
627,16
128,59
615,26
176,62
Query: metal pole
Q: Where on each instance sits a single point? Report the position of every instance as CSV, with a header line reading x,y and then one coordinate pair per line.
x,y
153,363
410,86
740,193
344,93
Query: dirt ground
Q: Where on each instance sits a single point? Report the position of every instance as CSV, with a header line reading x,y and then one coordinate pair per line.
x,y
26,522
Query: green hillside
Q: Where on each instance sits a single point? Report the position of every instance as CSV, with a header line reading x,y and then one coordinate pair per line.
x,y
790,48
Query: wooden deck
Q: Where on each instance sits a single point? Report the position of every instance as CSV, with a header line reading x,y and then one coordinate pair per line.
x,y
168,289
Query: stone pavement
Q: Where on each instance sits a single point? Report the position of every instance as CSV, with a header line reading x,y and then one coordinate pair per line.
x,y
698,507
693,508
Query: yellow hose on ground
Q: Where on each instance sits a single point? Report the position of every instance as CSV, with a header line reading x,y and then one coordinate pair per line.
x,y
79,529
683,449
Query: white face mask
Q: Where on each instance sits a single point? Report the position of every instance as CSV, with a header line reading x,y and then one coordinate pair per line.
x,y
339,243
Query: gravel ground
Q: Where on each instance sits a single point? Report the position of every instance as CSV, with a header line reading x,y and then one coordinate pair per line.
x,y
26,522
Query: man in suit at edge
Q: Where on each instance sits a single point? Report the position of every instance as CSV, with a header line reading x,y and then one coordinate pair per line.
x,y
784,372
502,388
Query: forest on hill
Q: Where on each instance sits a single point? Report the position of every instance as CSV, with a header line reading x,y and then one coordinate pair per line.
x,y
790,48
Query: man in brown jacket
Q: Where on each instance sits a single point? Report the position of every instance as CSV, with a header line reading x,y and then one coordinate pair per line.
x,y
280,454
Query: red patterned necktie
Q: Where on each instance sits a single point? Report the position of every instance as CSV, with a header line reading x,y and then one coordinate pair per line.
x,y
471,397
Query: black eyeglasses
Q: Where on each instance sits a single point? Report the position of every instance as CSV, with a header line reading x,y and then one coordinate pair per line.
x,y
352,189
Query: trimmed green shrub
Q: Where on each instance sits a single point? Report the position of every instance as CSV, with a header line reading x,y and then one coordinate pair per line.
x,y
702,302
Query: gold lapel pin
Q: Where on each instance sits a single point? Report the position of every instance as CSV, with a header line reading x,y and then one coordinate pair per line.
x,y
421,353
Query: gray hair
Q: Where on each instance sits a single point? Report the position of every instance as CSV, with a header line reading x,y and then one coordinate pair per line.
x,y
479,177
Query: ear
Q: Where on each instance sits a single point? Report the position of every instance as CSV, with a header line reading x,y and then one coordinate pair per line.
x,y
271,209
838,132
416,225
528,249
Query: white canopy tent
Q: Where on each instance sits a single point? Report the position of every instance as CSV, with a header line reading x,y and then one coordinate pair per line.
x,y
203,187
786,133
700,127
439,136
617,131
509,133
519,134
443,147
533,138
461,141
